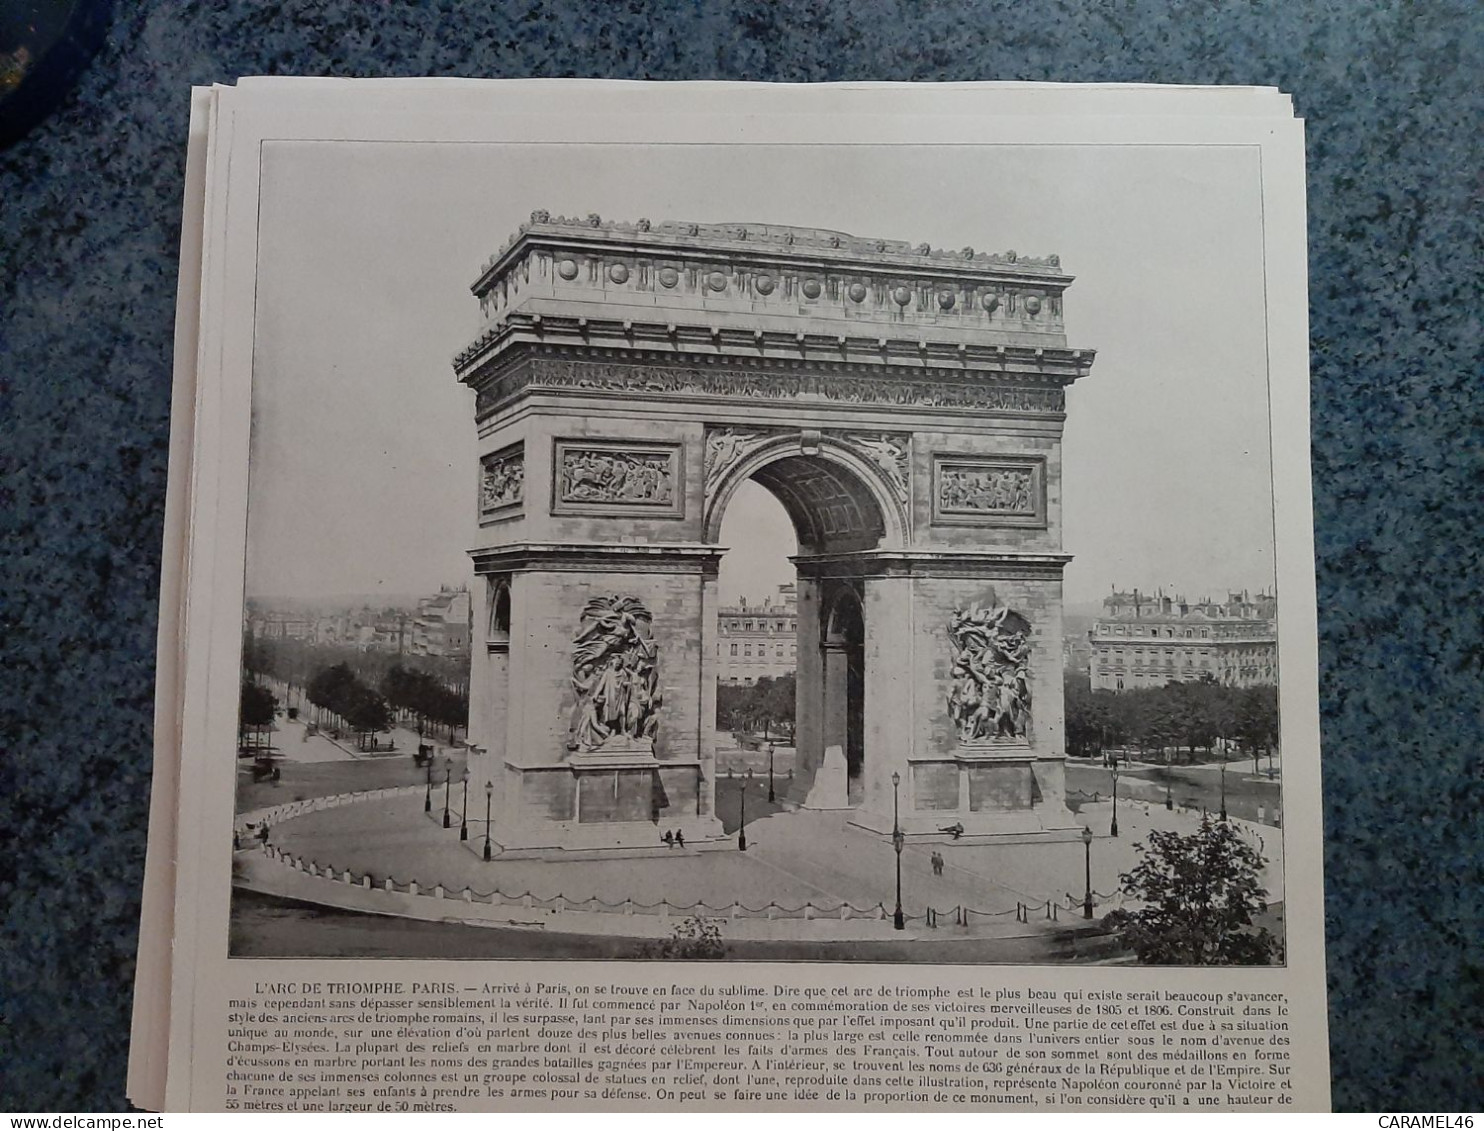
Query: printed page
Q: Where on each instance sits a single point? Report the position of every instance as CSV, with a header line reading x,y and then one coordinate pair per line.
x,y
739,611
149,1036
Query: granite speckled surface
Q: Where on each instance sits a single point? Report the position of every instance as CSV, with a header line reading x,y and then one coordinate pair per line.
x,y
89,213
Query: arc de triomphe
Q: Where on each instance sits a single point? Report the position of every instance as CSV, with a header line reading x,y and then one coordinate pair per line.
x,y
904,404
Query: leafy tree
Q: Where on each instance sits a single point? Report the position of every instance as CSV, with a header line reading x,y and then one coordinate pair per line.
x,y
428,697
256,711
1195,709
769,704
1257,720
1112,730
1201,893
696,938
365,711
1152,719
1084,721
449,708
775,702
331,689
732,706
401,688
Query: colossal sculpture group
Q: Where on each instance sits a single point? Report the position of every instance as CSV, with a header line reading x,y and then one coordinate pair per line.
x,y
615,675
991,694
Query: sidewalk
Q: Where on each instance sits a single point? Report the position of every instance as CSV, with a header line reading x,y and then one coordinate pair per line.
x,y
293,745
1233,765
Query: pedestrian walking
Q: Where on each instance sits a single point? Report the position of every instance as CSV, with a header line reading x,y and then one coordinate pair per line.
x,y
937,860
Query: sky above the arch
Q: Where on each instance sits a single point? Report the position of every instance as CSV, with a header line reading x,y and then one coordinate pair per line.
x,y
363,441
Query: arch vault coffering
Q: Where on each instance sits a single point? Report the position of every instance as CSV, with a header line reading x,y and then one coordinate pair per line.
x,y
905,405
837,500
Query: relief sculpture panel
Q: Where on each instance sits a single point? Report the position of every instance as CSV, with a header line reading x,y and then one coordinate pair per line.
x,y
725,446
1009,491
616,477
502,483
990,697
615,676
887,450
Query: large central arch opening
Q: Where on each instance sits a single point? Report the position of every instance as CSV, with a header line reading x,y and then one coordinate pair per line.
x,y
788,633
756,654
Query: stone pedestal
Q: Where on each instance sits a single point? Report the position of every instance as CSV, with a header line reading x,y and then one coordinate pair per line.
x,y
985,791
617,753
830,789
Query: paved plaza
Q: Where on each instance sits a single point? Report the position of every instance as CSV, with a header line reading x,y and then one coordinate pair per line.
x,y
792,858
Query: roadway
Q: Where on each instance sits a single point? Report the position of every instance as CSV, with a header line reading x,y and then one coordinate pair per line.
x,y
1252,796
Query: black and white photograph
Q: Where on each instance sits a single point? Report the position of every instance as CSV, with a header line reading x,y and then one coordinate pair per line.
x,y
771,553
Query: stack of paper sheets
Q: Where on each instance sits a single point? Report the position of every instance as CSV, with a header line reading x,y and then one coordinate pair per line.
x,y
716,596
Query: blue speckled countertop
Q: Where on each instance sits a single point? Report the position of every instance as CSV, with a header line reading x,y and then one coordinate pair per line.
x,y
89,214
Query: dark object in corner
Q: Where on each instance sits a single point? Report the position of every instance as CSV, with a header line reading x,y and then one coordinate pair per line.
x,y
45,45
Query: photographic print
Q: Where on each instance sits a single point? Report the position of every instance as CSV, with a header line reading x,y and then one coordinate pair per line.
x,y
760,552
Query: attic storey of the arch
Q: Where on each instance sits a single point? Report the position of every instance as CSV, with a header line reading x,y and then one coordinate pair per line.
x,y
905,406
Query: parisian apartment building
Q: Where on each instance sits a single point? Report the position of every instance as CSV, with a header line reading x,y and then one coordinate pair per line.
x,y
1148,640
757,637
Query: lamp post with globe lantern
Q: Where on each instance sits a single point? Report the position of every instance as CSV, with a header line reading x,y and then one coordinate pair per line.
x,y
1087,850
489,796
898,920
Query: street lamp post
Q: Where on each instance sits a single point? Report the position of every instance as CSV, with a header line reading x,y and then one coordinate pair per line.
x,y
742,820
428,796
897,919
1087,850
464,816
1169,784
1113,828
489,794
447,779
1223,790
771,798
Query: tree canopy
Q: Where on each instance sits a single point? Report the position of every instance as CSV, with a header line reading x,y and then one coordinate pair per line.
x,y
1201,892
426,697
338,691
767,704
1184,717
255,712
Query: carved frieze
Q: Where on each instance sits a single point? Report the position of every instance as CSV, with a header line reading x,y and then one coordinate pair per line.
x,y
770,385
617,477
999,491
615,676
989,698
502,483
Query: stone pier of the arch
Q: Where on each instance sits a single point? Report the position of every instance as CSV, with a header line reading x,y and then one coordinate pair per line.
x,y
905,405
